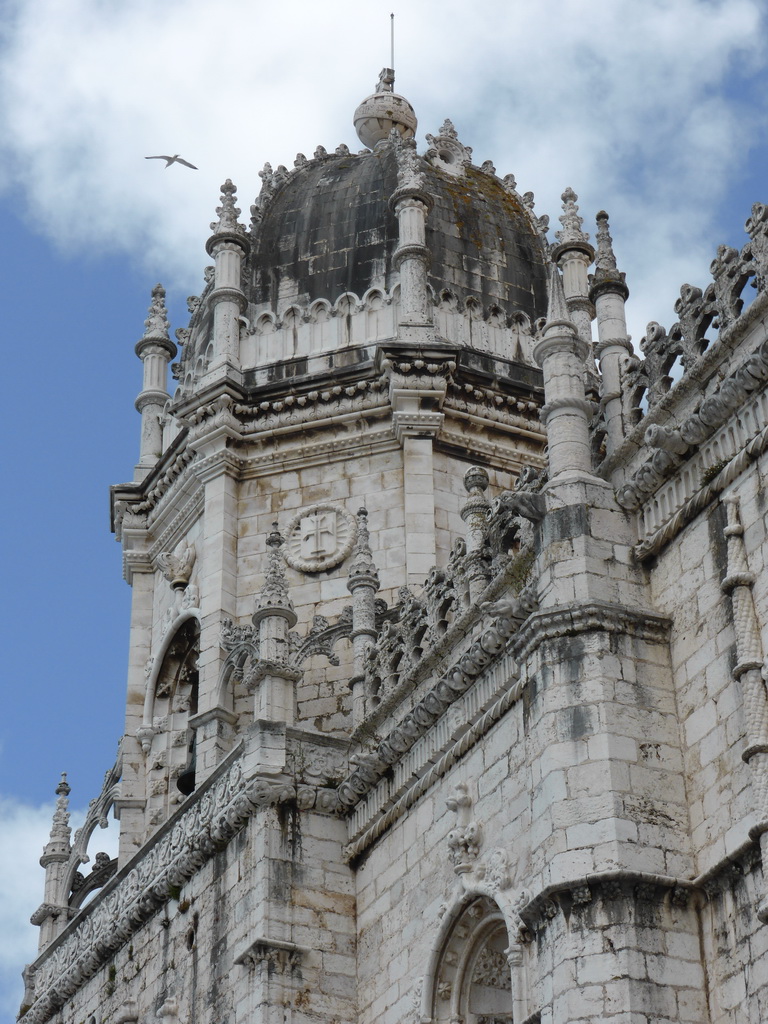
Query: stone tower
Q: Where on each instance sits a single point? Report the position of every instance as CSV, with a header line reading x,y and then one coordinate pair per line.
x,y
446,696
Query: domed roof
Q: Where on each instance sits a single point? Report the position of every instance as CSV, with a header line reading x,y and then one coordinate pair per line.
x,y
327,228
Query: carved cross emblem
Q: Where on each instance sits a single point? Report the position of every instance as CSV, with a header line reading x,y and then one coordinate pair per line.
x,y
318,535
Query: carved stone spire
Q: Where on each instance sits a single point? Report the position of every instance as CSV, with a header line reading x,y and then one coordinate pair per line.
x,y
363,585
573,254
273,598
58,845
608,291
52,914
155,349
738,582
227,224
273,680
566,413
606,273
557,308
227,246
156,325
604,258
363,569
571,220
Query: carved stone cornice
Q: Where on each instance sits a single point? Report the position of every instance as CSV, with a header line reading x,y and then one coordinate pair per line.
x,y
606,888
303,453
220,463
570,620
380,811
180,523
278,956
655,540
136,561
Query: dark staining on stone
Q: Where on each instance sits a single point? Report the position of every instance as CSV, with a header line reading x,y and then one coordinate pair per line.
x,y
289,819
483,244
330,230
717,520
578,721
565,524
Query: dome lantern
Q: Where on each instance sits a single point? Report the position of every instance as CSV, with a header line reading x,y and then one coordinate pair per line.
x,y
382,111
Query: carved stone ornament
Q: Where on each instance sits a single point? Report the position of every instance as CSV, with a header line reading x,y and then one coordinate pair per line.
x,y
319,537
447,152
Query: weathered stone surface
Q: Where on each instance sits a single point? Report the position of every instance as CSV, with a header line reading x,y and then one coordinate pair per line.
x,y
486,739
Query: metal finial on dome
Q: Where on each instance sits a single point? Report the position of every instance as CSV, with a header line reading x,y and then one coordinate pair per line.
x,y
382,111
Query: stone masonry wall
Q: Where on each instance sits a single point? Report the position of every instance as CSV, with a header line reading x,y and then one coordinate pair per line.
x,y
686,586
265,927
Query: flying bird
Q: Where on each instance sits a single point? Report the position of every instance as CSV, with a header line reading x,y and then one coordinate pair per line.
x,y
175,159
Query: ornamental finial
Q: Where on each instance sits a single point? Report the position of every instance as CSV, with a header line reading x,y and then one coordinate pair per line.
x,y
156,325
274,592
571,220
60,830
605,258
363,565
382,111
228,213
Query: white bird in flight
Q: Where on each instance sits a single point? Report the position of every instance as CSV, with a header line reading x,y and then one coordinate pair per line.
x,y
175,159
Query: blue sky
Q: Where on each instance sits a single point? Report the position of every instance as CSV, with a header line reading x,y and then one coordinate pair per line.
x,y
656,112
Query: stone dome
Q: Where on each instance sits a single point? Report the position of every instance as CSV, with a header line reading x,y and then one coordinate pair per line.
x,y
328,229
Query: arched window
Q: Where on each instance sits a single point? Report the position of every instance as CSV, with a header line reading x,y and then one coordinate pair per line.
x,y
473,980
171,767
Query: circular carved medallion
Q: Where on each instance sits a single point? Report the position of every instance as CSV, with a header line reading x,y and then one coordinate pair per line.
x,y
319,537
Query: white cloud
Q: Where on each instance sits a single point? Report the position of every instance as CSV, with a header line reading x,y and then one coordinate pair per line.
x,y
626,102
24,831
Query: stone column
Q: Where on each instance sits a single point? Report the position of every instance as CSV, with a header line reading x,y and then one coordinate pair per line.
x,y
411,204
52,916
573,254
139,573
155,349
274,680
363,585
609,292
566,413
475,514
416,421
228,247
219,470
738,583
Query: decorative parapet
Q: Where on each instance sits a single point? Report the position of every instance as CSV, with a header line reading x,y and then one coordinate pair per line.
x,y
217,811
372,766
718,305
244,662
671,446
